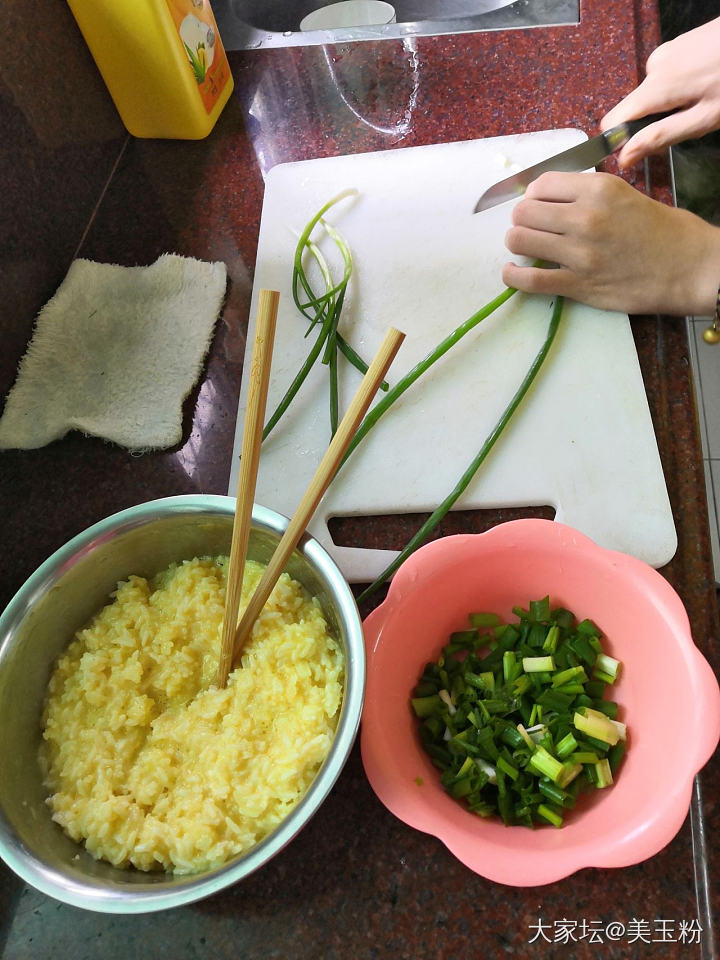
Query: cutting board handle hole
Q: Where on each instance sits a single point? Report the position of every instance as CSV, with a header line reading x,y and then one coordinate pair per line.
x,y
394,530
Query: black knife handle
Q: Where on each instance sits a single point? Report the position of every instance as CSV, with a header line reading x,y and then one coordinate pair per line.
x,y
634,126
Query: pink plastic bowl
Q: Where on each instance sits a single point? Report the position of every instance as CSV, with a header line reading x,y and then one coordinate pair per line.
x,y
668,695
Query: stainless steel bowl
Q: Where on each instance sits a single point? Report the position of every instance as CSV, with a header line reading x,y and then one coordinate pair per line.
x,y
58,599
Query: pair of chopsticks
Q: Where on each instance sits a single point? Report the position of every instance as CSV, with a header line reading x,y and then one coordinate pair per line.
x,y
234,637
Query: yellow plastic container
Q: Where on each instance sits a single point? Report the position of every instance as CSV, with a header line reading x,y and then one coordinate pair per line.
x,y
162,61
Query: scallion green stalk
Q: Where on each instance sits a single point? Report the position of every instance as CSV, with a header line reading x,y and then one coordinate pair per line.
x,y
431,523
324,309
374,414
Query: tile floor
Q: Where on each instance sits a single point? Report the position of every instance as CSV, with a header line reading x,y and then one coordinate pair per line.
x,y
705,360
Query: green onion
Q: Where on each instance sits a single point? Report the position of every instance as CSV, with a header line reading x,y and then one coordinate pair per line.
x,y
569,772
526,736
603,773
323,309
326,308
615,755
550,642
509,664
484,620
425,706
438,514
537,664
554,818
565,676
553,792
539,610
507,768
621,729
546,764
566,746
510,753
607,666
596,725
373,415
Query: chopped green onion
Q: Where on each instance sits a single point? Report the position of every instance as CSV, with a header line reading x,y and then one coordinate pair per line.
x,y
526,736
537,664
608,666
570,771
508,768
616,754
597,725
565,676
554,818
507,744
484,620
566,746
425,706
571,688
546,764
539,610
447,700
487,769
608,707
621,729
552,792
603,773
551,640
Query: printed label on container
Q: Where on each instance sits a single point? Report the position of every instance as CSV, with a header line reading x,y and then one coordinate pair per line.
x,y
198,31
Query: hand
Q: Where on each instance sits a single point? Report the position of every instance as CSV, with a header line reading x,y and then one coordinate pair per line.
x,y
682,74
615,248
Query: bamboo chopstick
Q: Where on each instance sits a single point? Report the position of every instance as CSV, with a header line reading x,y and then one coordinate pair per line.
x,y
250,458
319,484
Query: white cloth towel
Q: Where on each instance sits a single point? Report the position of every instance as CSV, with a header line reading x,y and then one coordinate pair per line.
x,y
115,353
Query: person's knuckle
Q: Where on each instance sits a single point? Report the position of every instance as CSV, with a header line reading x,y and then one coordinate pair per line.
x,y
512,275
588,260
599,186
514,239
658,56
531,280
540,185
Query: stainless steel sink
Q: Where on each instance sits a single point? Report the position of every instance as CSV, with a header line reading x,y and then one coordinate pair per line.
x,y
251,24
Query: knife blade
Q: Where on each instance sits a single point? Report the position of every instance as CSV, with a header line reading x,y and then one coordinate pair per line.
x,y
581,157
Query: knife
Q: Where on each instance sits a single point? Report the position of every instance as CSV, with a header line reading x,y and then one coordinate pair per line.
x,y
582,157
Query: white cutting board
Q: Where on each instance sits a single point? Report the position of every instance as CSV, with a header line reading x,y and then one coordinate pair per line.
x,y
583,441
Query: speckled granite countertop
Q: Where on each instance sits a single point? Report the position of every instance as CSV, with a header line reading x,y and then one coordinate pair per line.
x,y
356,882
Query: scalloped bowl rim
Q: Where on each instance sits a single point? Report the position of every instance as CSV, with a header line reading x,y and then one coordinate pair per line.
x,y
616,828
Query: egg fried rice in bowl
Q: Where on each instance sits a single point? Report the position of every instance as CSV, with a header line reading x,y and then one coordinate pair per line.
x,y
162,856
152,765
